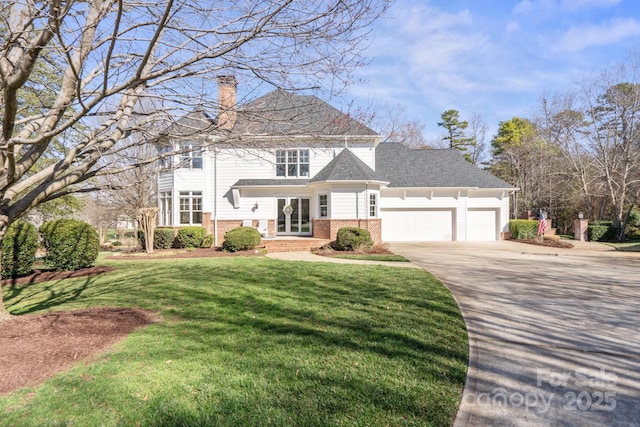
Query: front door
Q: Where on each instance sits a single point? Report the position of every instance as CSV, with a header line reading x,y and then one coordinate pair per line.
x,y
294,216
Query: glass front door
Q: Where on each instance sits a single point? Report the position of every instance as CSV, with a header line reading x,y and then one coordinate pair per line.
x,y
294,216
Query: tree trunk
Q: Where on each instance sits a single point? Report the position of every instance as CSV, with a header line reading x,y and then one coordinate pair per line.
x,y
147,219
4,224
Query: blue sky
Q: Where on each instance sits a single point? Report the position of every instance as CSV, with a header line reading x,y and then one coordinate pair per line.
x,y
492,57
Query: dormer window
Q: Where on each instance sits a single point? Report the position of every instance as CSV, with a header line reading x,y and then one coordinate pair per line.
x,y
191,156
292,163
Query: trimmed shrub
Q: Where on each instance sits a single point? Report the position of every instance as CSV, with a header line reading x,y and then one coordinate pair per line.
x,y
207,242
70,244
19,248
523,228
163,238
190,236
353,238
601,231
241,239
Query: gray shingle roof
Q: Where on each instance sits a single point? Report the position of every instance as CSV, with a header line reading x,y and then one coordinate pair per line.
x,y
346,166
283,113
406,167
194,123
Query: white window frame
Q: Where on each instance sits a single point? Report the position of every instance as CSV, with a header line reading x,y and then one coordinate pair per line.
x,y
190,203
165,216
293,163
324,205
191,158
373,205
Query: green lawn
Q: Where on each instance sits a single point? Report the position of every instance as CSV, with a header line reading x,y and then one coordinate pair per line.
x,y
256,342
374,257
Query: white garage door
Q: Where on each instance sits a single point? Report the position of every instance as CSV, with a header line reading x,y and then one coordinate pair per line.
x,y
409,225
481,225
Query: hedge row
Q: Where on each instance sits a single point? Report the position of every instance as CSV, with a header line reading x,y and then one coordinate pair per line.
x,y
600,231
187,237
523,228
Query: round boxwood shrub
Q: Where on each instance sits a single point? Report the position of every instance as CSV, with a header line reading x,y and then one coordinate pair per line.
x,y
19,248
241,239
191,236
353,238
70,244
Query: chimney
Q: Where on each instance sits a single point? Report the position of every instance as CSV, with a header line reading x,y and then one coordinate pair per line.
x,y
227,102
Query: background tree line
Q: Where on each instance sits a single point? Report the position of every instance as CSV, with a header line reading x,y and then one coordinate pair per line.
x,y
580,152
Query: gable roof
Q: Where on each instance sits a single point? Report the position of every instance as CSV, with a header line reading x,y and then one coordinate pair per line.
x,y
194,123
346,166
284,113
406,167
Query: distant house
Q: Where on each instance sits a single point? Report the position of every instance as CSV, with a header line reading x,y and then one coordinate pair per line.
x,y
293,165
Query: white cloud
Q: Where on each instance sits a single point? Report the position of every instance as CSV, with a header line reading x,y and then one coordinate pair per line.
x,y
557,6
512,27
580,38
573,5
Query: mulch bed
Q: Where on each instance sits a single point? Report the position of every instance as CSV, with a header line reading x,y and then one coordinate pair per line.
x,y
546,242
35,347
182,253
330,250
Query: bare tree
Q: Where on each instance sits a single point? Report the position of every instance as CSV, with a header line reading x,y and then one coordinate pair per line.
x,y
564,125
478,133
612,108
112,54
392,123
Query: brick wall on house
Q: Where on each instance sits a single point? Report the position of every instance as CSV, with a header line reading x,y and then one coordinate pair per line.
x,y
225,225
322,228
328,228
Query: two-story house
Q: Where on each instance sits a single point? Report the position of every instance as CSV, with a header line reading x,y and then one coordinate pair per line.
x,y
293,165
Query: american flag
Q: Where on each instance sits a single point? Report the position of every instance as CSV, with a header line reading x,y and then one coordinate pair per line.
x,y
542,224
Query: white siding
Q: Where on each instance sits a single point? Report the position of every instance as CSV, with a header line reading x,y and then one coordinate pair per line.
x,y
165,181
233,165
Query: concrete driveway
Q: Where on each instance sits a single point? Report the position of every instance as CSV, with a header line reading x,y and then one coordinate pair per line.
x,y
554,334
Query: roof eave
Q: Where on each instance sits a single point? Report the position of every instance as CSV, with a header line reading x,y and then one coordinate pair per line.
x,y
350,181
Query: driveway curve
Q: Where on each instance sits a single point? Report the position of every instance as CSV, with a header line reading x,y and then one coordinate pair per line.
x,y
554,334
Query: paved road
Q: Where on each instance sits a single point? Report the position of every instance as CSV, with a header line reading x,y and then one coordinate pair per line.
x,y
554,334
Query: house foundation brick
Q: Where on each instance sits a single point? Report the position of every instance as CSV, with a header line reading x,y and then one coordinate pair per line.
x,y
225,225
328,228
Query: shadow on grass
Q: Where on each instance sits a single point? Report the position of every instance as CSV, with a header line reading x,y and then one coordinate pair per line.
x,y
266,342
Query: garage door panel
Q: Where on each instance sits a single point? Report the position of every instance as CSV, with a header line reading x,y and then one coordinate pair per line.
x,y
417,225
481,225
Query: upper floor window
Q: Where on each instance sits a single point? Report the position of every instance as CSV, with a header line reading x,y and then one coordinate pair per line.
x,y
292,163
190,156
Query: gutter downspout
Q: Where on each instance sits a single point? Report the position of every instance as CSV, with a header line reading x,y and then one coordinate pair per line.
x,y
215,196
